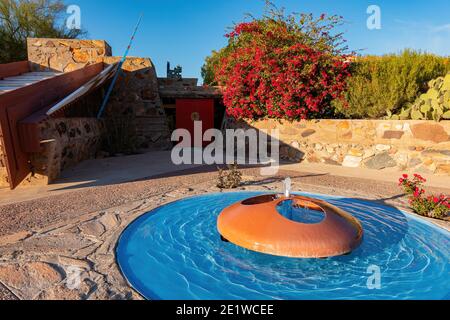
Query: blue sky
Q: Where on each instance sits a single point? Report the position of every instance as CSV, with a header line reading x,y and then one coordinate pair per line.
x,y
185,31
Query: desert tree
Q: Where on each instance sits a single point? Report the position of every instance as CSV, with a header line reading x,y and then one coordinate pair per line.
x,y
20,19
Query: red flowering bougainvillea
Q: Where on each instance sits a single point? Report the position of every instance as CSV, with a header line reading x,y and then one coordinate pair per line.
x,y
429,206
282,67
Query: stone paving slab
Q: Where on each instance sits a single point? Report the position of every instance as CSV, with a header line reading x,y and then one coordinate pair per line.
x,y
6,294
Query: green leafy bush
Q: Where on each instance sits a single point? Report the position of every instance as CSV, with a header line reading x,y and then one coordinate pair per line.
x,y
383,85
211,64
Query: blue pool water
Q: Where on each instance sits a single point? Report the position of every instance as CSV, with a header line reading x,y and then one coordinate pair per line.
x,y
299,214
175,252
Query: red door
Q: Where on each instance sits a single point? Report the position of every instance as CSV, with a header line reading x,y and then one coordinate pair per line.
x,y
191,110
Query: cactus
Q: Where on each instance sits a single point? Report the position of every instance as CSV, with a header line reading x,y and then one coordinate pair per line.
x,y
416,115
446,115
432,105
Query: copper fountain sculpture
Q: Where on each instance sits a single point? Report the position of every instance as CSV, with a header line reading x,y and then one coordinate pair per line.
x,y
256,224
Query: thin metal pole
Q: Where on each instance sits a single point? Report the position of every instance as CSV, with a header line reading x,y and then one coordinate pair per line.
x,y
116,76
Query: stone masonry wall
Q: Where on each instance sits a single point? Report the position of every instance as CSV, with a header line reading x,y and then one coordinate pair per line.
x,y
137,94
65,55
72,140
422,146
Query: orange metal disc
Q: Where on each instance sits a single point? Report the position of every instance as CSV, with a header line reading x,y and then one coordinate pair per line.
x,y
256,224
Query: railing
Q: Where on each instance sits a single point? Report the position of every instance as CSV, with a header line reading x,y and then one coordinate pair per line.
x,y
14,69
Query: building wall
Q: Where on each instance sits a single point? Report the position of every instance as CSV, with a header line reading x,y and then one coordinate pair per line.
x,y
422,146
71,140
65,55
136,93
177,83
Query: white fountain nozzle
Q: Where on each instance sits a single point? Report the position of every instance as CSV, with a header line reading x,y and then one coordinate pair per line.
x,y
287,184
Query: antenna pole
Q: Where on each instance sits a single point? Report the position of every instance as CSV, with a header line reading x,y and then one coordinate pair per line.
x,y
119,71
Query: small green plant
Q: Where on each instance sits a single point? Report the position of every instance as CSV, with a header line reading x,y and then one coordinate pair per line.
x,y
230,179
430,206
432,105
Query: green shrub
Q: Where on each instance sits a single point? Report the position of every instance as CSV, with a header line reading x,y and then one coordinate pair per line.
x,y
211,64
383,85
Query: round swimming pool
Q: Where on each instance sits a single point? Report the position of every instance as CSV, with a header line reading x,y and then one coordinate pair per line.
x,y
175,252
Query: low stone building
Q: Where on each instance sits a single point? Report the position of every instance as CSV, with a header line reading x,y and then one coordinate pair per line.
x,y
136,92
134,110
139,117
